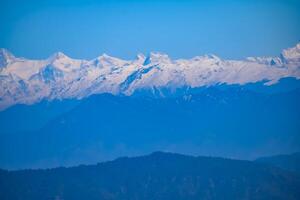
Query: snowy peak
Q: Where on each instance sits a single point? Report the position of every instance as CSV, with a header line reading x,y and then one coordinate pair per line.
x,y
5,57
140,59
140,56
63,62
157,58
6,54
208,57
59,57
291,55
108,61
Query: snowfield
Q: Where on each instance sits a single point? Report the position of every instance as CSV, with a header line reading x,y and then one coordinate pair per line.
x,y
24,81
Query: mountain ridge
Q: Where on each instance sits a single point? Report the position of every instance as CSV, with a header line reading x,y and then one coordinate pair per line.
x,y
159,175
289,162
26,81
229,122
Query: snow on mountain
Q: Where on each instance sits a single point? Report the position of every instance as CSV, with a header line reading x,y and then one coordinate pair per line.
x,y
25,81
5,57
291,55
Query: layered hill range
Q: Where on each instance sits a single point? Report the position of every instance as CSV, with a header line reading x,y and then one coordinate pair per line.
x,y
25,81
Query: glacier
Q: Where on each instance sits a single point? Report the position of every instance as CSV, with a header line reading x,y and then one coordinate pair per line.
x,y
26,81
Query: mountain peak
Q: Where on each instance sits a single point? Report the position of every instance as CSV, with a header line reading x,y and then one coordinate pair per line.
x,y
292,54
107,60
157,57
140,56
212,56
140,59
207,57
5,57
105,56
58,56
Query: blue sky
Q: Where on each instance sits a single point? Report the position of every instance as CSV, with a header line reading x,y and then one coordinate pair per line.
x,y
182,29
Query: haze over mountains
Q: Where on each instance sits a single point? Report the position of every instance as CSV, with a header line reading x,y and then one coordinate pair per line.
x,y
25,81
65,112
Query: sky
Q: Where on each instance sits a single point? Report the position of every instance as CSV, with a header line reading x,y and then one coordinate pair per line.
x,y
182,29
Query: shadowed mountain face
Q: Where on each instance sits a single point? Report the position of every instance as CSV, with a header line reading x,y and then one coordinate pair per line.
x,y
225,121
288,162
21,118
157,176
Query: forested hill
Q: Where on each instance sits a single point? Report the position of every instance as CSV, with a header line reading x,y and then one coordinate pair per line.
x,y
156,176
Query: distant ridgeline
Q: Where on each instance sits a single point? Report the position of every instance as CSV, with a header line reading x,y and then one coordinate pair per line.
x,y
288,162
159,176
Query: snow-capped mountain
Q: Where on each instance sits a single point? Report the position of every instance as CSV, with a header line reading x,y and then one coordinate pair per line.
x,y
25,81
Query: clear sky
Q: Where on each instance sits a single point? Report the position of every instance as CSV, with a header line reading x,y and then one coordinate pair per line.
x,y
182,29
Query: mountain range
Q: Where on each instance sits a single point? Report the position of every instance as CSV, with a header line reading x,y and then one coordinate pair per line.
x,y
25,81
65,112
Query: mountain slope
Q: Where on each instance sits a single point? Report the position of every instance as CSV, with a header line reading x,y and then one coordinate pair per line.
x,y
288,162
26,81
226,121
156,176
23,118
